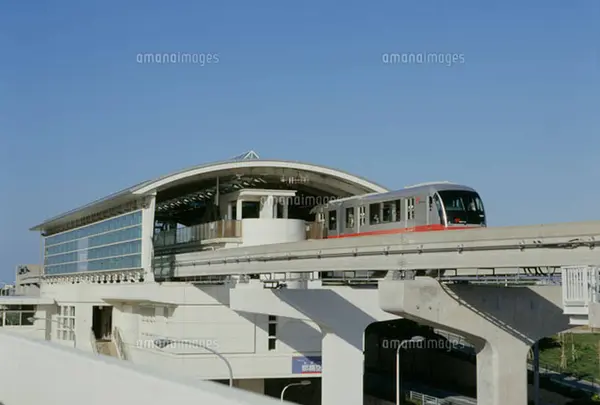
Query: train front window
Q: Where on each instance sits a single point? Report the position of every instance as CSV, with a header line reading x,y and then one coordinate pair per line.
x,y
463,207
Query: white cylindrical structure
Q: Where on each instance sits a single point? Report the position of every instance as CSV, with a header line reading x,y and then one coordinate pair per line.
x,y
258,231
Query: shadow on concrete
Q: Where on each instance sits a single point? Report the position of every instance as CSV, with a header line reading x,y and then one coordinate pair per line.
x,y
332,312
521,311
303,329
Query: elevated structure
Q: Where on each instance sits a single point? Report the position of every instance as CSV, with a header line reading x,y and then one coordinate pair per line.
x,y
187,257
103,261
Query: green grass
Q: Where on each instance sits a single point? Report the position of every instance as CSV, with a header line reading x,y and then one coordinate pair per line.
x,y
586,363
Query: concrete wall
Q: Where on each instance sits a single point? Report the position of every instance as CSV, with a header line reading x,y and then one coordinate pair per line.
x,y
594,315
57,378
181,311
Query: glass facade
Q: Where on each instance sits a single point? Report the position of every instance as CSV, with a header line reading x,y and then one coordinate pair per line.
x,y
113,244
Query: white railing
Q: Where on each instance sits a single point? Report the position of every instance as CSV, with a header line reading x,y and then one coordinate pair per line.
x,y
424,399
93,341
580,288
121,351
580,285
198,233
427,399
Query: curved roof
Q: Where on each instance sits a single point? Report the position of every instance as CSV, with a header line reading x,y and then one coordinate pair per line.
x,y
351,184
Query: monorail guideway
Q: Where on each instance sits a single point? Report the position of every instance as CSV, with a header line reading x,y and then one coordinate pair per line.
x,y
466,251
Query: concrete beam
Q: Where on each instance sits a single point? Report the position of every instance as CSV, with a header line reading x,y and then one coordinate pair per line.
x,y
502,323
321,305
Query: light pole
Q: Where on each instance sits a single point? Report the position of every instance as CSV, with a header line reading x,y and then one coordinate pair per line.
x,y
32,319
162,343
414,339
303,382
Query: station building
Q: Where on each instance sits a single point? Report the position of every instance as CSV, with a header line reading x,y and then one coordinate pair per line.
x,y
107,283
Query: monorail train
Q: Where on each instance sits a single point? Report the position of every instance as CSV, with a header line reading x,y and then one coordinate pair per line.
x,y
423,207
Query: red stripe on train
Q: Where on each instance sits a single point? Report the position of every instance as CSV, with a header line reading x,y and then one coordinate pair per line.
x,y
421,228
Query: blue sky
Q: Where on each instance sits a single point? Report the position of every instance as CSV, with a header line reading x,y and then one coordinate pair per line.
x,y
519,120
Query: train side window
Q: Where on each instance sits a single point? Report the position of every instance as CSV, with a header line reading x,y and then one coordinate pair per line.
x,y
398,210
388,212
332,220
350,217
362,215
374,214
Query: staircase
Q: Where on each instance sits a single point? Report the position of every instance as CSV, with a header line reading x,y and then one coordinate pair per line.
x,y
107,348
581,295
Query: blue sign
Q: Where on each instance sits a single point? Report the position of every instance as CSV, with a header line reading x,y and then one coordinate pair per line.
x,y
306,365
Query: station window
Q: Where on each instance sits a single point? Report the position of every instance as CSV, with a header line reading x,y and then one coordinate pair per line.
x,y
362,215
350,217
374,214
272,332
66,323
16,315
332,220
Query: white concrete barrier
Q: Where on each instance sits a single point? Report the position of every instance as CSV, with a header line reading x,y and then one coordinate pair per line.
x,y
39,372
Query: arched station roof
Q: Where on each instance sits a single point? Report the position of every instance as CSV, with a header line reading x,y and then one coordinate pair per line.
x,y
327,180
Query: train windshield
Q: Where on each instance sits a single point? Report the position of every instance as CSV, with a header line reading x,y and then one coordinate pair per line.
x,y
463,207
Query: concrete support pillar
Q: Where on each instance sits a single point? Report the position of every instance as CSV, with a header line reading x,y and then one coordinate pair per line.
x,y
342,378
238,209
502,322
501,365
285,210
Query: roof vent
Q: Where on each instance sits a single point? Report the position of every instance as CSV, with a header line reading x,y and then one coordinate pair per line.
x,y
250,155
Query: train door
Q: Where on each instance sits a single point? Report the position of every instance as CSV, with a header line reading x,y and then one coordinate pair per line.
x,y
350,223
436,213
362,217
333,228
409,210
421,210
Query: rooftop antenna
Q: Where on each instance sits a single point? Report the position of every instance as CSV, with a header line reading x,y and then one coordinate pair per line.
x,y
250,155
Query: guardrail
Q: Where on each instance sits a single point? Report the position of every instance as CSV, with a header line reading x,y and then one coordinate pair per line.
x,y
581,285
424,399
198,233
93,341
316,230
121,351
580,288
